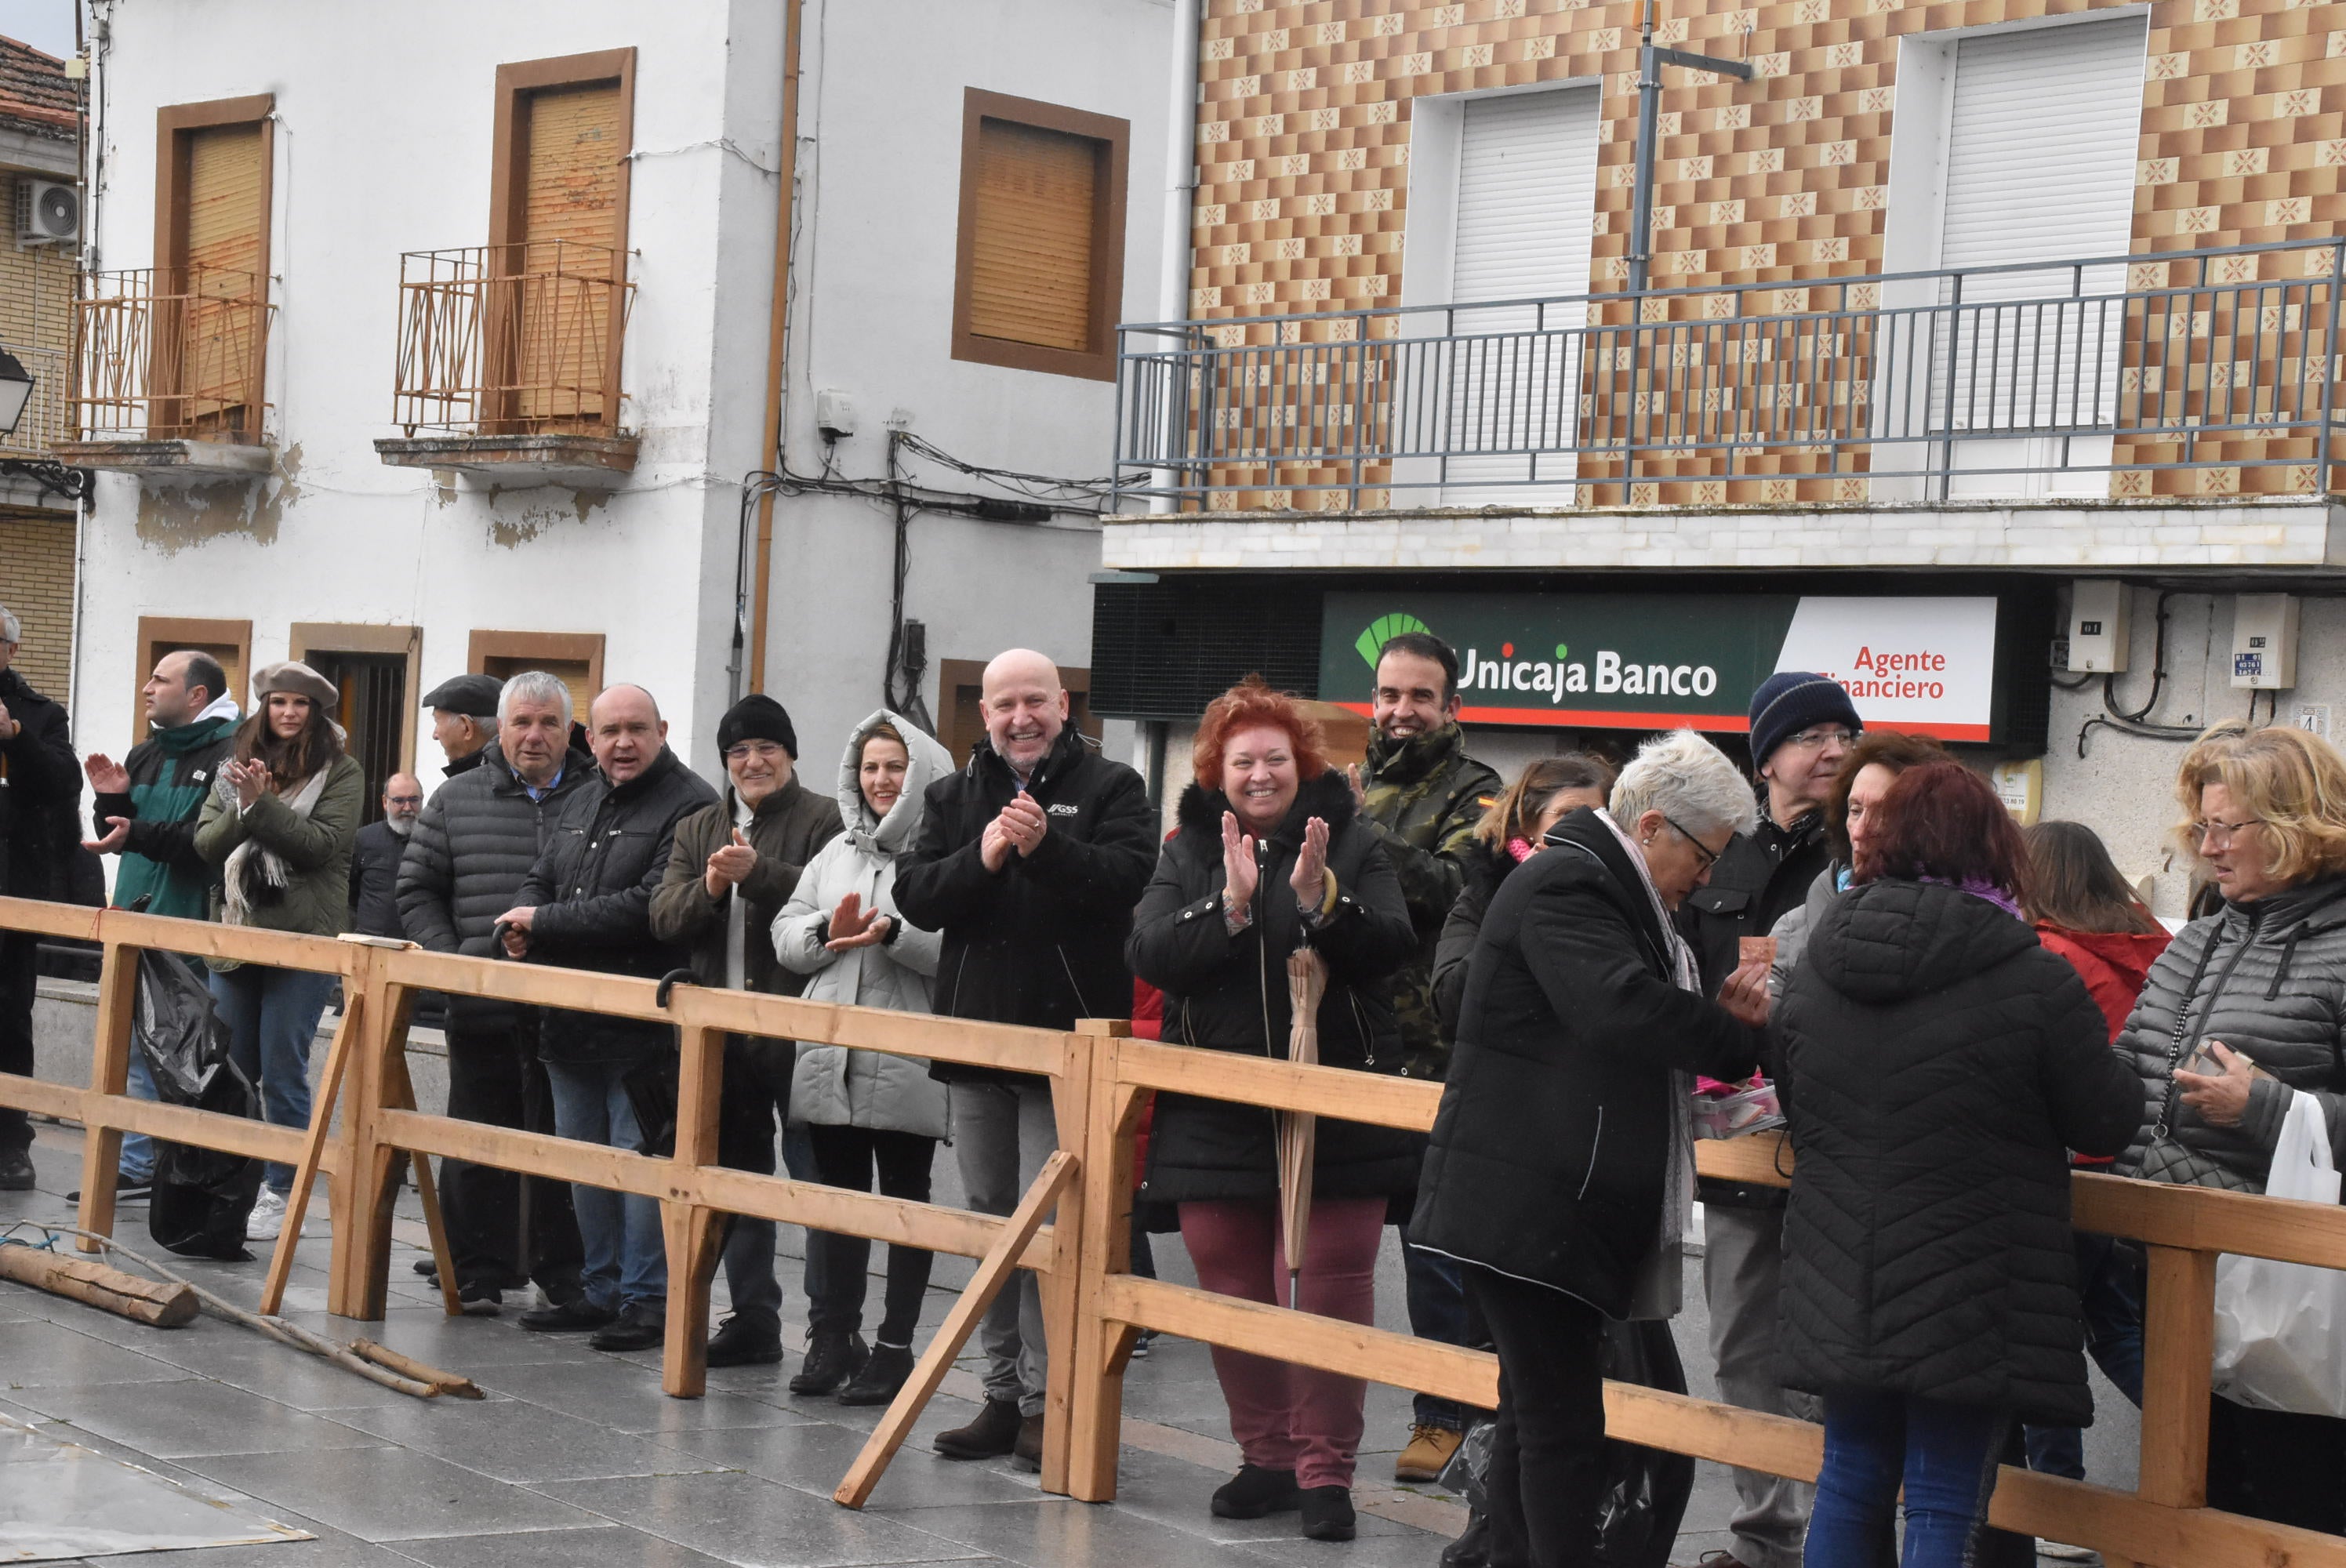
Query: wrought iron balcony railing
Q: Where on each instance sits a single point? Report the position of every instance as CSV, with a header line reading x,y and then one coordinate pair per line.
x,y
2203,372
166,354
519,338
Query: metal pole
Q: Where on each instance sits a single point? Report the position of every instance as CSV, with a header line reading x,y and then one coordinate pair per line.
x,y
1641,199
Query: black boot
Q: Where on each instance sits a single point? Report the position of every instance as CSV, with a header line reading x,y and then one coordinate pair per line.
x,y
831,1360
880,1377
1473,1547
739,1342
1327,1513
1255,1491
994,1433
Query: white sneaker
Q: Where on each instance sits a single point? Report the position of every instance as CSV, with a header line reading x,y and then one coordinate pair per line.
x,y
2061,1552
268,1217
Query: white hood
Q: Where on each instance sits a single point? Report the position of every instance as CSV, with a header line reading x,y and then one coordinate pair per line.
x,y
930,762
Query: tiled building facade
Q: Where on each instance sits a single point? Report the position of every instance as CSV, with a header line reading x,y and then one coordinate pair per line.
x,y
1304,142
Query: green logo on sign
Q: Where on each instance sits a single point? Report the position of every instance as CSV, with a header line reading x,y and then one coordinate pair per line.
x,y
1382,631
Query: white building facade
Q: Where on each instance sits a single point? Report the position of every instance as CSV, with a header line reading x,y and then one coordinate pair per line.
x,y
437,337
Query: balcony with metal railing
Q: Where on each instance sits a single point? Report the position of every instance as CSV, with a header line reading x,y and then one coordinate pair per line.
x,y
169,373
508,362
2144,378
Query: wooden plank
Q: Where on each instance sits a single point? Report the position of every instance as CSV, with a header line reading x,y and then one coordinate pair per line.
x,y
2177,1348
109,1074
1061,1285
1355,1096
314,1149
2208,1219
363,1193
897,1221
692,1230
993,1273
1094,1415
2125,1528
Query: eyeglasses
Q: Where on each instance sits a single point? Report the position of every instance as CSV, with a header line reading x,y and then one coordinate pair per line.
x,y
1709,856
748,749
2207,833
1818,740
402,799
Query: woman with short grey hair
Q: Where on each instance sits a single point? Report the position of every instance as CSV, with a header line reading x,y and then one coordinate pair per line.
x,y
1562,1163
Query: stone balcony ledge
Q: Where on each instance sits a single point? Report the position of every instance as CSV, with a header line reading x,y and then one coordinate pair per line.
x,y
2229,534
520,460
171,461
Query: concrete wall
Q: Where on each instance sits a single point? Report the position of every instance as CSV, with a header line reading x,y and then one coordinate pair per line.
x,y
879,172
372,161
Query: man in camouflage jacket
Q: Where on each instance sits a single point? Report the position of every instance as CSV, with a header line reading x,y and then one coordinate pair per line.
x,y
1424,795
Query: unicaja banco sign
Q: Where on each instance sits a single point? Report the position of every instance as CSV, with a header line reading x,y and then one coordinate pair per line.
x,y
1656,661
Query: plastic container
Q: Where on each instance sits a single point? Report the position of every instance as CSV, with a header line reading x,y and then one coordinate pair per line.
x,y
1752,1110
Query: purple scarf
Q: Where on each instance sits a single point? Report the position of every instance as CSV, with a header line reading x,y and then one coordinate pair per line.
x,y
1980,888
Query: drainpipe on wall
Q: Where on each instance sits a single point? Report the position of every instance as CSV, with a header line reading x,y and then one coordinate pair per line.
x,y
1180,189
777,335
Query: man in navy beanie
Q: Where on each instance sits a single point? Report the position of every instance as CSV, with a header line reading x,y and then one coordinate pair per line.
x,y
1802,728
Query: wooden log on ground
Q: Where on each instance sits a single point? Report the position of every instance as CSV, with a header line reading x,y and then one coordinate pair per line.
x,y
99,1285
446,1382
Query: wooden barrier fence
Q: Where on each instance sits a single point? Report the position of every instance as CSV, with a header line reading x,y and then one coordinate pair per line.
x,y
1092,1306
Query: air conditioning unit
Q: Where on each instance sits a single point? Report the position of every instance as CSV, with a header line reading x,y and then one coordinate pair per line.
x,y
48,212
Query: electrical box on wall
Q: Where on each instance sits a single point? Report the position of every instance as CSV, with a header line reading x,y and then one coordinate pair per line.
x,y
834,415
2097,627
2264,642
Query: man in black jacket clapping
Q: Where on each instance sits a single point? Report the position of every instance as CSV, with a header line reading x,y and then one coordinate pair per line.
x,y
40,823
1030,861
587,905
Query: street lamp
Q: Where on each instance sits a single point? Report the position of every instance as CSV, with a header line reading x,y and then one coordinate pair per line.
x,y
15,392
1651,58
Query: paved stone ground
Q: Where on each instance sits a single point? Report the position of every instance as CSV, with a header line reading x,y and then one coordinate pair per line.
x,y
576,1457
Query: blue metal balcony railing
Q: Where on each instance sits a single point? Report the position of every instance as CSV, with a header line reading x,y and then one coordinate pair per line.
x,y
2189,373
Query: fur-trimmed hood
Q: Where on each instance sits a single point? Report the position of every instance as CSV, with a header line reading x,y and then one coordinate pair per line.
x,y
928,763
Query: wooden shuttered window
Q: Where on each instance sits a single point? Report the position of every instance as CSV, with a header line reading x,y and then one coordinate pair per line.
x,y
1033,253
570,228
213,217
1042,236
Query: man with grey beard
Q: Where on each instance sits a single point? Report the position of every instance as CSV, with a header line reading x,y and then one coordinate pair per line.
x,y
374,861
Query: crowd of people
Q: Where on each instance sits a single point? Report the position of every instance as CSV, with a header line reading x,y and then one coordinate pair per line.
x,y
1952,1013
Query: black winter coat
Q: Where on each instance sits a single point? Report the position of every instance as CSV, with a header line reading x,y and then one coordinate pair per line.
x,y
1223,993
466,861
374,880
1485,869
1552,1145
1939,1066
40,795
1040,942
593,888
1763,876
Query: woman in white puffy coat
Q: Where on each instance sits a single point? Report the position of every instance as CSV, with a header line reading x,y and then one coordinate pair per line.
x,y
866,1109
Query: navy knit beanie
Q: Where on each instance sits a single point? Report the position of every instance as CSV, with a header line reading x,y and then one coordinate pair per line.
x,y
1791,700
757,717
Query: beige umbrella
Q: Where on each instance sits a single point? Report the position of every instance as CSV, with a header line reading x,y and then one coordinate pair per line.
x,y
1307,980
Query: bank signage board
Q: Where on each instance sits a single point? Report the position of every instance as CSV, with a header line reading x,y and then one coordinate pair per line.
x,y
1660,661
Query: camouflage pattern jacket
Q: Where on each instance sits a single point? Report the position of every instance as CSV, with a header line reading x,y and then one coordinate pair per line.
x,y
1424,796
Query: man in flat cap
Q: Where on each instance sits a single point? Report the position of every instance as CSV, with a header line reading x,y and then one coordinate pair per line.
x,y
464,718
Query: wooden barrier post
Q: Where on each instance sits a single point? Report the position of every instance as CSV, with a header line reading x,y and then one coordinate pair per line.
x,y
362,1194
2178,1348
314,1149
690,1229
110,1073
1061,1291
1102,1345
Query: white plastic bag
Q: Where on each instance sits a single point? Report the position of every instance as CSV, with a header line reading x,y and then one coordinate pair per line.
x,y
2280,1327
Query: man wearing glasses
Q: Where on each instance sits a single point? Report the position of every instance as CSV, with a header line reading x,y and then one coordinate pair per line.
x,y
374,861
1802,728
734,866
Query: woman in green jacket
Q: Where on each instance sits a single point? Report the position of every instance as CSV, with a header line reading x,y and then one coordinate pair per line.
x,y
280,823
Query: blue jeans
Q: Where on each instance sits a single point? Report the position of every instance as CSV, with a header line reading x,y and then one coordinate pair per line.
x,y
272,1016
137,1163
1437,1312
1946,1455
625,1257
2109,1282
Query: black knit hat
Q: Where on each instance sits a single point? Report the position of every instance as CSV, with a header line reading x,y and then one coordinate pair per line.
x,y
1791,700
757,717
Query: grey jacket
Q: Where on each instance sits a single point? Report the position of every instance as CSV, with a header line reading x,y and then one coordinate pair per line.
x,y
2269,980
467,859
833,1085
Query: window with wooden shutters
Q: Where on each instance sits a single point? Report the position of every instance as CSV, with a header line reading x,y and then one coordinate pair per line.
x,y
1041,247
551,316
206,334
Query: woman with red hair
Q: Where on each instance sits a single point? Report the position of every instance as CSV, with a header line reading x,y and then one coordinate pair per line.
x,y
1269,858
1938,1065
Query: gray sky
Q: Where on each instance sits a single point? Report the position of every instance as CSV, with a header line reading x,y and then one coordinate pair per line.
x,y
44,24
